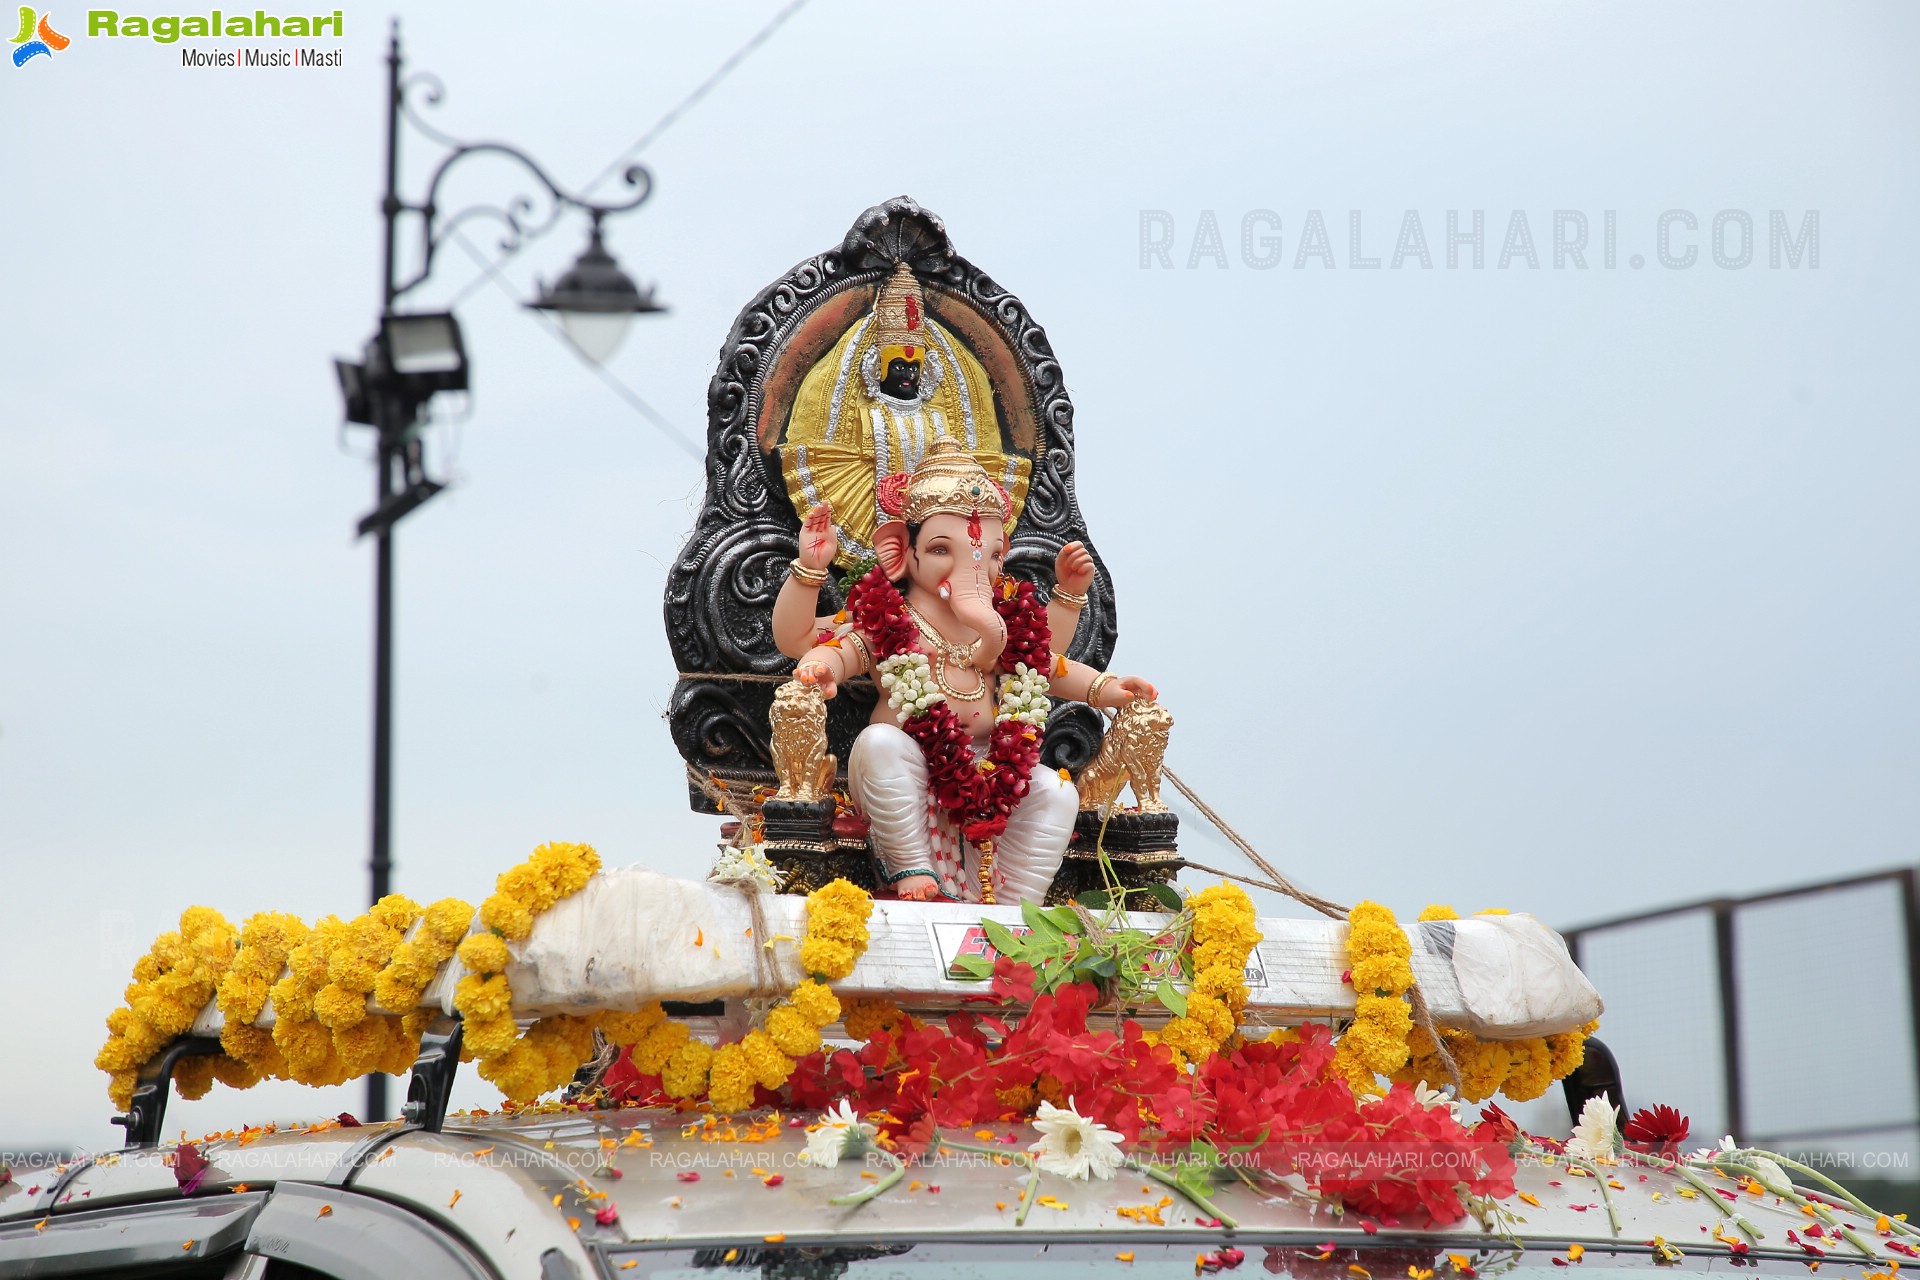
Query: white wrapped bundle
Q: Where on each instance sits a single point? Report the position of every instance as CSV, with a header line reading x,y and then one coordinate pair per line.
x,y
633,936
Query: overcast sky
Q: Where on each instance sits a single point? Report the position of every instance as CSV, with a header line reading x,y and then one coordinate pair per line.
x,y
1568,590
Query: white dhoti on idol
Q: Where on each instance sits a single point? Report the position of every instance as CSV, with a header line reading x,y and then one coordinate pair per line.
x,y
887,776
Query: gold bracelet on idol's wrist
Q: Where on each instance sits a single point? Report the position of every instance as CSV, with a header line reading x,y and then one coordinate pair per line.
x,y
859,645
1071,599
815,578
1093,690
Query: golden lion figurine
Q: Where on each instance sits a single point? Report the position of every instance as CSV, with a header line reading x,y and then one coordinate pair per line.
x,y
1130,754
800,755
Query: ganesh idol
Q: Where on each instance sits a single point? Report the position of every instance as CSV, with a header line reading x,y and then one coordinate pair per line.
x,y
947,774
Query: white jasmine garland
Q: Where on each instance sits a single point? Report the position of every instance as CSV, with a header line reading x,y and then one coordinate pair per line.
x,y
838,1132
1073,1146
1023,696
907,679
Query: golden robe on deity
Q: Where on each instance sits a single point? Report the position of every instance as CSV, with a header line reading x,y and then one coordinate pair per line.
x,y
846,432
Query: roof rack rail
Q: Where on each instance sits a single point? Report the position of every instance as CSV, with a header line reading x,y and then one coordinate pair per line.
x,y
429,1087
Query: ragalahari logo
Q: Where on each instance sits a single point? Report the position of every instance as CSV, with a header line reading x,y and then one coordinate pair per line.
x,y
36,36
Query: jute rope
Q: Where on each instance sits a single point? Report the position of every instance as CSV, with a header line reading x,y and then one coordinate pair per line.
x,y
1278,883
765,975
1275,881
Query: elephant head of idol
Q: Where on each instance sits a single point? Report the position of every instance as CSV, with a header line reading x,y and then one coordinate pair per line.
x,y
945,541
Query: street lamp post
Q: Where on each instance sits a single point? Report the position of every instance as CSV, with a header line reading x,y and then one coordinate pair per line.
x,y
414,356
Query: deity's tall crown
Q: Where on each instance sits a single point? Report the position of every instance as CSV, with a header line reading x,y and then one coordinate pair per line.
x,y
900,318
948,482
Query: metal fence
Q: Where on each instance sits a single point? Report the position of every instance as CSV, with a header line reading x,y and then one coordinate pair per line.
x,y
1787,1019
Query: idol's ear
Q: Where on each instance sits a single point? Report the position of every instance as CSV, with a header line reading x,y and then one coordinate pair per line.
x,y
890,547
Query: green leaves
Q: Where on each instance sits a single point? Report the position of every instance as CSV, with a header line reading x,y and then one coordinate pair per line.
x,y
976,967
1095,943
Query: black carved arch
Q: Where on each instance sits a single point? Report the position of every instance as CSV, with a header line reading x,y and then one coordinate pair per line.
x,y
721,587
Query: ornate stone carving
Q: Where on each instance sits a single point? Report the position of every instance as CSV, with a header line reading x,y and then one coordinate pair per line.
x,y
721,587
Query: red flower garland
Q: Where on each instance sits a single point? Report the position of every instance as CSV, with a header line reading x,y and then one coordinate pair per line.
x,y
977,794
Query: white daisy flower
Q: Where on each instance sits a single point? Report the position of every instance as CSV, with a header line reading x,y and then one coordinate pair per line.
x,y
1431,1098
1594,1137
839,1132
1072,1145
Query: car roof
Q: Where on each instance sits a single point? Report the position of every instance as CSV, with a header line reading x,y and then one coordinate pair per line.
x,y
521,1183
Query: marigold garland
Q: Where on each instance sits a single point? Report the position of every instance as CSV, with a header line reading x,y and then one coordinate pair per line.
x,y
171,984
1225,932
729,1074
1379,956
522,1066
319,980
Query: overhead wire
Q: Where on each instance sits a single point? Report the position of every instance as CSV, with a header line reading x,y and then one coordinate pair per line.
x,y
492,269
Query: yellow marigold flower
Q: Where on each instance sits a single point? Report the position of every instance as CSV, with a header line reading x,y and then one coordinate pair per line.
x,y
1530,1069
489,1037
837,915
197,920
1566,1053
650,1055
567,867
814,1002
484,953
166,1014
1439,911
117,1055
402,1049
233,1073
193,1076
478,997
1284,1035
771,1068
796,1036
1187,1038
730,1079
448,920
352,972
396,911
504,913
1051,1088
685,1075
621,1027
1381,974
246,1043
120,1088
394,993
414,1025
304,1043
826,956
1017,1097
867,1018
338,1008
520,1073
1223,983
361,1045
526,886
242,995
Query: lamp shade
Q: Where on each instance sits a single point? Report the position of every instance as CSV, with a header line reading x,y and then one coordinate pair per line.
x,y
595,300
